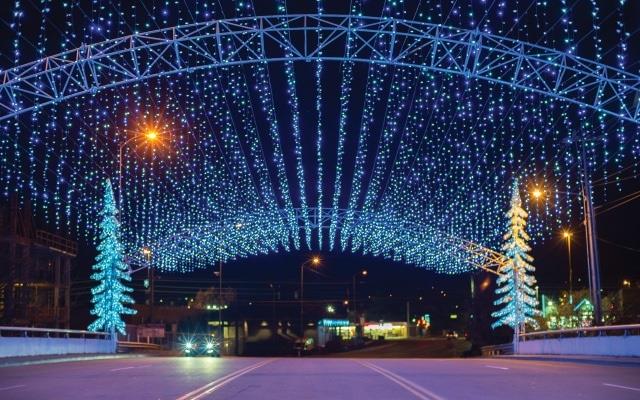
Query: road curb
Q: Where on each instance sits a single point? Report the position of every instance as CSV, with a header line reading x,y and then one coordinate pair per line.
x,y
613,361
19,363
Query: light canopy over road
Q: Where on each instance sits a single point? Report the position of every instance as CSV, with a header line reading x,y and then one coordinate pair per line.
x,y
325,378
376,127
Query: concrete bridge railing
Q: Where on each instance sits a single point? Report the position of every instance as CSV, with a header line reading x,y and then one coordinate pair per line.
x,y
21,341
615,340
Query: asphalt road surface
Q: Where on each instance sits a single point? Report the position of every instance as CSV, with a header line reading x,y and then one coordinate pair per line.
x,y
319,378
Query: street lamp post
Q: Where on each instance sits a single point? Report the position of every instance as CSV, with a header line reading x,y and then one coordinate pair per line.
x,y
151,277
567,236
315,261
363,273
221,332
592,245
274,327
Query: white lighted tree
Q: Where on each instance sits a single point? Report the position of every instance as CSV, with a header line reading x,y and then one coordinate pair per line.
x,y
517,296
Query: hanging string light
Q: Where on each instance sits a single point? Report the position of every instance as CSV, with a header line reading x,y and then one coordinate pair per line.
x,y
391,156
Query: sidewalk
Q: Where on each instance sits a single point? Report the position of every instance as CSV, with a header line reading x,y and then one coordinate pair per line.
x,y
56,358
599,360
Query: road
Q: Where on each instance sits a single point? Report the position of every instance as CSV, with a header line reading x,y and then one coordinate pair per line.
x,y
318,378
423,348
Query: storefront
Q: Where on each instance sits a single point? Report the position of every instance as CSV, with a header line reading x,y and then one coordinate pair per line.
x,y
386,330
331,329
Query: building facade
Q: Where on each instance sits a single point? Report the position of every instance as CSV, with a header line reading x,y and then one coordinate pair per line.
x,y
35,271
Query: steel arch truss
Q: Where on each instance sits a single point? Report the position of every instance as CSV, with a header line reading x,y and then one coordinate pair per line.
x,y
257,233
470,53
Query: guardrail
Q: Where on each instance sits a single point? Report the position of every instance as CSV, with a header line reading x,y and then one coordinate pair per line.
x,y
19,331
16,341
614,340
608,330
497,350
124,346
593,340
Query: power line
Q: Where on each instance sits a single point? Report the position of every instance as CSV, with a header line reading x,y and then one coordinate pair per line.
x,y
619,245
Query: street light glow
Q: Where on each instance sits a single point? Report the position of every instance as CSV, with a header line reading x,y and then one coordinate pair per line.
x,y
151,135
566,234
315,260
537,193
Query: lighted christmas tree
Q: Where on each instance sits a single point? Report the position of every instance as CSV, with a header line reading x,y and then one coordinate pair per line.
x,y
110,296
516,281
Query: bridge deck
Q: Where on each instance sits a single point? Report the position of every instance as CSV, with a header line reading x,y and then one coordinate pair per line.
x,y
319,378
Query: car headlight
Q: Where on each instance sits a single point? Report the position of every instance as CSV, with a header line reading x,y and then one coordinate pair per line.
x,y
188,345
209,345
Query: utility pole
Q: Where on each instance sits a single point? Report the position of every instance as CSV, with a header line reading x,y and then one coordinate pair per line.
x,y
355,308
152,286
151,279
592,245
220,303
273,309
408,317
301,302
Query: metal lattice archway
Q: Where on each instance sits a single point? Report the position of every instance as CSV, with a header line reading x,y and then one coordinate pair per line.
x,y
471,53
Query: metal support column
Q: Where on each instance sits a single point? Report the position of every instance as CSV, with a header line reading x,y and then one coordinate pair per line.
x,y
592,244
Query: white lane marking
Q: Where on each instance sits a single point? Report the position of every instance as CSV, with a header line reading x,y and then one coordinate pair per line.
x,y
137,366
218,383
621,387
12,387
120,369
495,367
418,391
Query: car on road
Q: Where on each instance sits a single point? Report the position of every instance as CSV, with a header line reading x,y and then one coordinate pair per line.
x,y
200,345
450,334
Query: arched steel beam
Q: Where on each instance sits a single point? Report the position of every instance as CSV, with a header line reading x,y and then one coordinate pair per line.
x,y
470,53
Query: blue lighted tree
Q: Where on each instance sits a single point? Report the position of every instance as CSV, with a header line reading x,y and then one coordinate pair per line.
x,y
110,296
516,281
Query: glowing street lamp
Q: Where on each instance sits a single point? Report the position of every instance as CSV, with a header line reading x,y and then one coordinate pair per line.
x,y
151,135
536,193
